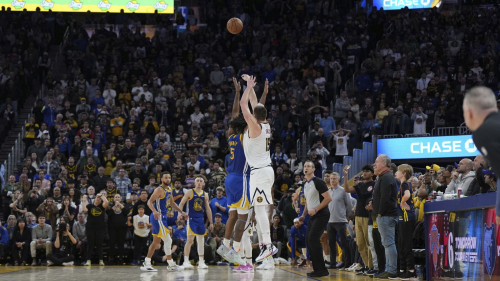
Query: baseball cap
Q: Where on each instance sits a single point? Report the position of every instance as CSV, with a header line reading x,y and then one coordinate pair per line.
x,y
220,188
145,85
191,168
488,172
89,141
45,132
296,220
218,214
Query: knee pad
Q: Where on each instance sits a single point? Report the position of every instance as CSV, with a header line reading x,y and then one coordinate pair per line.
x,y
167,245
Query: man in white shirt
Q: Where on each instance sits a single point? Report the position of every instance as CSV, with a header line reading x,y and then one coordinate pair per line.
x,y
341,144
462,177
423,82
197,115
320,81
148,96
109,93
137,89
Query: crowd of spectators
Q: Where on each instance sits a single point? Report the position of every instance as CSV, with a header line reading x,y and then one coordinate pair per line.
x,y
130,107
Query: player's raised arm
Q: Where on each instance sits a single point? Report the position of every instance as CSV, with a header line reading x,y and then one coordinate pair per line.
x,y
253,96
264,95
236,102
253,125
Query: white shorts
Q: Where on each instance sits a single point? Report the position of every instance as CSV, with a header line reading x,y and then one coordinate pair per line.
x,y
261,183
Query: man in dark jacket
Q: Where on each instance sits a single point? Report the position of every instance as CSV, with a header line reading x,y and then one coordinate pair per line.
x,y
385,206
129,152
400,122
478,184
99,181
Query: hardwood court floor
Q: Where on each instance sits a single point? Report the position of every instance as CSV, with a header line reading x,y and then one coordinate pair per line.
x,y
125,273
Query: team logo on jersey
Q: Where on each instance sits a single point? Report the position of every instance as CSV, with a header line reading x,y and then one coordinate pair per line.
x,y
434,240
96,212
197,204
370,188
260,199
489,248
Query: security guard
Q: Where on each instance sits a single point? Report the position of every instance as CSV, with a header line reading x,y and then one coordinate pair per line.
x,y
482,117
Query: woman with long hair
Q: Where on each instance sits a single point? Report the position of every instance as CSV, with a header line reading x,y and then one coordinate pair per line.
x,y
20,241
35,162
117,229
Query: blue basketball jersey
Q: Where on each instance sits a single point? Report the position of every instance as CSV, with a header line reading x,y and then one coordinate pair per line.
x,y
237,160
196,205
162,203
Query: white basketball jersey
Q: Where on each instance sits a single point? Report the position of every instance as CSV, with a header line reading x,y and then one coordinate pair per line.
x,y
257,149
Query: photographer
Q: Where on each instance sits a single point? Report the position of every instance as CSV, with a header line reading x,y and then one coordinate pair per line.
x,y
95,225
63,245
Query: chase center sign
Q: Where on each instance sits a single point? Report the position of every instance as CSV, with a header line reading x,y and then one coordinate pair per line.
x,y
400,4
428,147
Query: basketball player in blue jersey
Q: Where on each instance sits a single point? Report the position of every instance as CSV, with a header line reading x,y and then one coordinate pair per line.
x,y
236,182
256,142
198,204
161,200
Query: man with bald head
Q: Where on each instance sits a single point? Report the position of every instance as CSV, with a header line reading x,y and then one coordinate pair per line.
x,y
478,185
481,116
462,177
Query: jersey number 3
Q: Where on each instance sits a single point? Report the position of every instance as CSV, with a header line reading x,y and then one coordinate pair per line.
x,y
268,143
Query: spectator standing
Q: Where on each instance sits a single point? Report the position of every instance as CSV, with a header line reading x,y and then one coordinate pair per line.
x,y
219,205
340,209
317,200
340,144
406,223
117,229
385,206
95,224
142,228
41,236
364,191
342,106
327,123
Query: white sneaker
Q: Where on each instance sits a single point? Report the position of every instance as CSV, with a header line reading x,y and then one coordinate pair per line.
x,y
187,265
356,267
234,257
148,267
223,251
270,263
68,263
266,251
49,263
262,266
175,268
352,267
202,265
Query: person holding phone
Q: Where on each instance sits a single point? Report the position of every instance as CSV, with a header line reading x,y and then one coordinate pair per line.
x,y
95,225
63,245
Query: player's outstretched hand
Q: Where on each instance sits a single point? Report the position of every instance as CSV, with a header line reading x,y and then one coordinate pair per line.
x,y
211,227
237,85
245,77
266,86
251,82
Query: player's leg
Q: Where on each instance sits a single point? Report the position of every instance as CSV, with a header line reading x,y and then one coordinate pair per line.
x,y
233,255
158,231
326,248
167,247
200,243
187,250
234,185
260,188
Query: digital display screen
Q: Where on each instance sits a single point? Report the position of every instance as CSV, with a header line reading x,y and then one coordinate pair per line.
x,y
95,6
400,4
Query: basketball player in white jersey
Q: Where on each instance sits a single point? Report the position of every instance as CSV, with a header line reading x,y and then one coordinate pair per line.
x,y
256,141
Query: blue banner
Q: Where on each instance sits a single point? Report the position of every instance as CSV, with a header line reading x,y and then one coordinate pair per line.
x,y
400,4
428,147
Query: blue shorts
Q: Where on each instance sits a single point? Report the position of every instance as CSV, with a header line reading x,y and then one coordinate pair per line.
x,y
160,227
196,226
237,190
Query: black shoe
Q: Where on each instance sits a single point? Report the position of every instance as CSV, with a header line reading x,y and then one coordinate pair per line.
x,y
371,272
44,263
332,266
387,275
407,275
361,271
318,274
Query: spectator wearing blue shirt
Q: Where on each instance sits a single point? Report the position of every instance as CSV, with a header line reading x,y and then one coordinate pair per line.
x,y
49,114
377,84
269,74
219,205
363,81
180,231
328,124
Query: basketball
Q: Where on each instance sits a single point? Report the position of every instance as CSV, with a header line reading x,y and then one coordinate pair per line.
x,y
234,25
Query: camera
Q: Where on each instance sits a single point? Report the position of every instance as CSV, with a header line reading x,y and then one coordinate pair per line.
x,y
62,227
